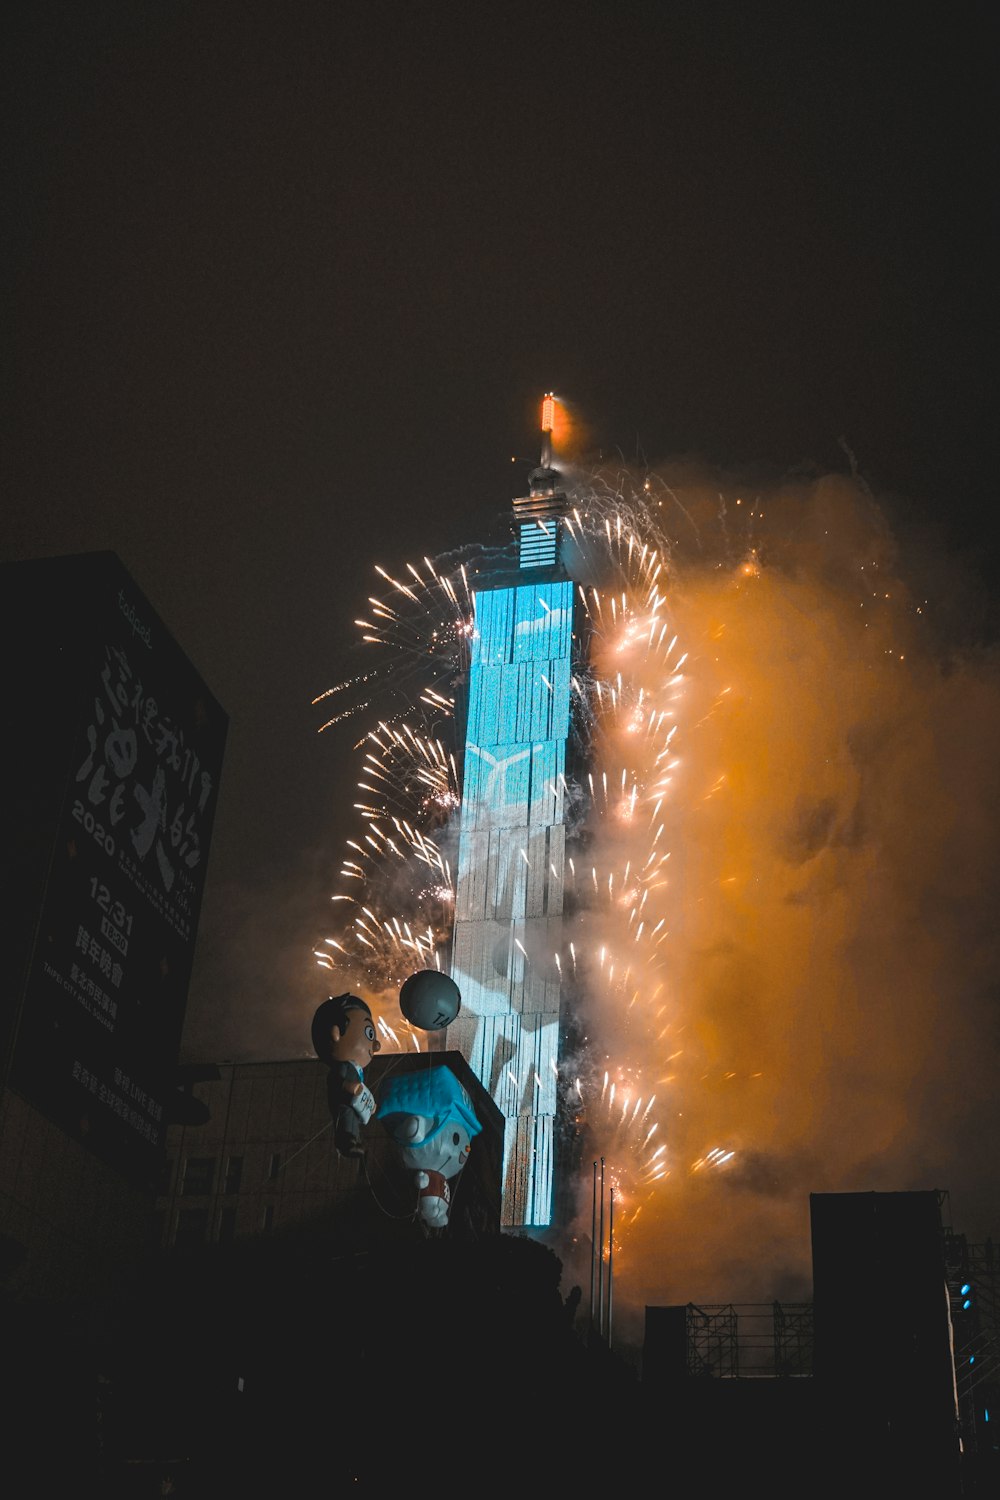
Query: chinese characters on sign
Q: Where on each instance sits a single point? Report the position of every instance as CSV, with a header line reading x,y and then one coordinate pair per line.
x,y
143,792
107,986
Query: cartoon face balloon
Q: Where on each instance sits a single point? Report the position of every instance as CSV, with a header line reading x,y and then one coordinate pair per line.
x,y
446,1151
430,1117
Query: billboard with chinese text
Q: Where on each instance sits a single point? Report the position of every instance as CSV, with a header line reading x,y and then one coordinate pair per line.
x,y
113,749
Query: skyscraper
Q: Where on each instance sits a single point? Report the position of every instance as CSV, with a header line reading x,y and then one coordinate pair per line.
x,y
512,842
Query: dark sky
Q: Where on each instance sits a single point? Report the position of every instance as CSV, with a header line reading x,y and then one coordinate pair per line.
x,y
285,284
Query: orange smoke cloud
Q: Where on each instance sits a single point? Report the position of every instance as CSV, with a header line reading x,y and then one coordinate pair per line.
x,y
821,1005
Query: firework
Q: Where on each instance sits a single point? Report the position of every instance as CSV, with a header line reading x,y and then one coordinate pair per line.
x,y
415,640
729,649
396,889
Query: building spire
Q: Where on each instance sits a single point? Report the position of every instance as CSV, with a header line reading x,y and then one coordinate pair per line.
x,y
537,514
548,419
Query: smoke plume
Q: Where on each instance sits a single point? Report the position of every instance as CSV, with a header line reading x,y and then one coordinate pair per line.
x,y
820,1014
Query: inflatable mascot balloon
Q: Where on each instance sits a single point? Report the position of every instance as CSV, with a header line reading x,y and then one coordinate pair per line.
x,y
429,1116
343,1035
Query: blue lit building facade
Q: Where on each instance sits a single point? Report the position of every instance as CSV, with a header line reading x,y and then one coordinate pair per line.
x,y
512,849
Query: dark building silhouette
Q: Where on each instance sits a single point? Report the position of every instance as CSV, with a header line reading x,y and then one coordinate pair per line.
x,y
260,1160
884,1363
112,749
886,1384
851,1394
308,1283
112,753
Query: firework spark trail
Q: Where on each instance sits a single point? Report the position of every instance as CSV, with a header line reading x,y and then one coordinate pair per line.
x,y
410,780
628,701
396,877
781,859
827,949
420,629
634,705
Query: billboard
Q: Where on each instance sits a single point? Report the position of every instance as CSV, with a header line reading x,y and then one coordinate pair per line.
x,y
112,756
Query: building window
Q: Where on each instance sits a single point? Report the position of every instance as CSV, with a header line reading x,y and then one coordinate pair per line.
x,y
268,1216
192,1227
227,1225
234,1174
199,1175
275,1164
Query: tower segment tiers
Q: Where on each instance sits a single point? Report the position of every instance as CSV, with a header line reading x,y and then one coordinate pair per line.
x,y
537,517
511,866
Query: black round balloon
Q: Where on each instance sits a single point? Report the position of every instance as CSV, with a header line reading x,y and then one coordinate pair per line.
x,y
429,999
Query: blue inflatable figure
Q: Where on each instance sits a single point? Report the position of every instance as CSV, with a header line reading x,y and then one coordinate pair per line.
x,y
430,1117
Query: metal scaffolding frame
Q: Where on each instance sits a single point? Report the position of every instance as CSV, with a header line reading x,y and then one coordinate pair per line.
x,y
730,1341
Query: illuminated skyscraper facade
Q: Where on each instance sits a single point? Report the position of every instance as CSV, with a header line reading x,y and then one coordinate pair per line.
x,y
511,861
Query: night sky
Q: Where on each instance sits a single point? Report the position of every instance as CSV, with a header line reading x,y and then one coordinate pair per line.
x,y
285,285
